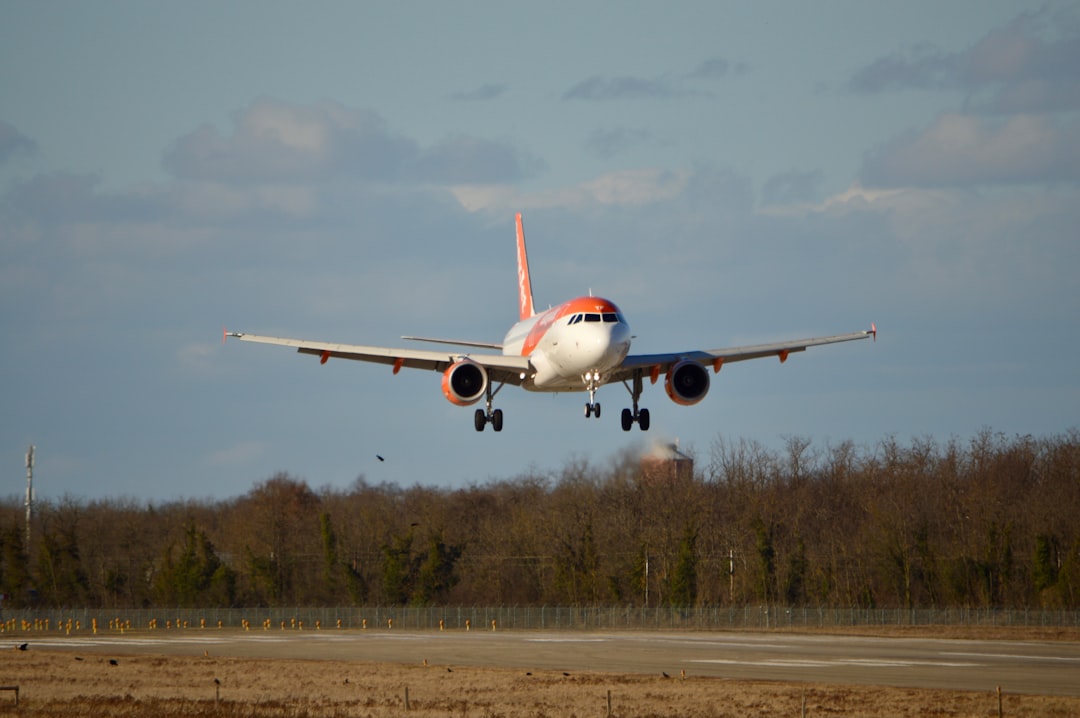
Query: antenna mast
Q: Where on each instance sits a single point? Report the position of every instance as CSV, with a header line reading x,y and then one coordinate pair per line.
x,y
29,493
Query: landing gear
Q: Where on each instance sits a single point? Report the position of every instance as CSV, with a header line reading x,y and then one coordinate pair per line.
x,y
592,383
480,419
639,416
482,416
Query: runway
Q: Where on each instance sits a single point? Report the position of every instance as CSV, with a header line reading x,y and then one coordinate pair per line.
x,y
1047,668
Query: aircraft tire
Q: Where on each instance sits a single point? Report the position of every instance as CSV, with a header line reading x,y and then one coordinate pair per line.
x,y
497,420
479,420
627,419
643,419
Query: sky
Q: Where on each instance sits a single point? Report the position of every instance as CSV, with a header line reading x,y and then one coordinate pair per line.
x,y
727,173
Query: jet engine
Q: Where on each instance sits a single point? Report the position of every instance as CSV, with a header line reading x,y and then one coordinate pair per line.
x,y
687,382
465,382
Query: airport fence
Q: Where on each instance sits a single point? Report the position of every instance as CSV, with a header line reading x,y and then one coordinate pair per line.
x,y
547,618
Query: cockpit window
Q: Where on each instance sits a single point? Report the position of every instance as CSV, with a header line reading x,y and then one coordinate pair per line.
x,y
606,317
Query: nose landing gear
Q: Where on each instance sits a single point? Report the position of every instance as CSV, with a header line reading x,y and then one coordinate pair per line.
x,y
592,383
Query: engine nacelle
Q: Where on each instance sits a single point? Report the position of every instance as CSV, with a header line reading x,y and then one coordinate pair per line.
x,y
464,383
687,382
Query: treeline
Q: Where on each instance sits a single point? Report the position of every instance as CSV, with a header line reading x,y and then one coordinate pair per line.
x,y
991,522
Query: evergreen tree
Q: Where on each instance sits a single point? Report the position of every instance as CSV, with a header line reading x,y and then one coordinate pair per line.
x,y
682,590
436,575
766,560
14,569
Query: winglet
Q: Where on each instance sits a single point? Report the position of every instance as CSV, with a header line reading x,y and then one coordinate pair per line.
x,y
873,331
525,299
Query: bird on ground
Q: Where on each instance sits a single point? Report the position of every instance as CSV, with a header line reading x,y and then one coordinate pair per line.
x,y
22,646
113,662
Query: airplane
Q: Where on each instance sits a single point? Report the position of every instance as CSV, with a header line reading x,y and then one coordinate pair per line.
x,y
579,345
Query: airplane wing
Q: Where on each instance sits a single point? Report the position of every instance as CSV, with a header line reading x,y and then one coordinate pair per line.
x,y
656,364
501,368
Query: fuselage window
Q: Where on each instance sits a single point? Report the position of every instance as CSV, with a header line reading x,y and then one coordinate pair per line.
x,y
592,318
611,317
575,319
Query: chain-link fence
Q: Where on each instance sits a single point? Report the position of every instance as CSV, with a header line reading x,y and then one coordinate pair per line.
x,y
581,618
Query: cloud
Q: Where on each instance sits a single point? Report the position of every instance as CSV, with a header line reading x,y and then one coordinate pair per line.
x,y
623,88
958,150
791,187
717,68
922,67
14,143
626,188
610,142
278,142
628,87
464,159
712,69
487,91
65,197
1029,65
274,141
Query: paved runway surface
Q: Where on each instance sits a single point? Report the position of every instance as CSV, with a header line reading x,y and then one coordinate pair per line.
x,y
1018,667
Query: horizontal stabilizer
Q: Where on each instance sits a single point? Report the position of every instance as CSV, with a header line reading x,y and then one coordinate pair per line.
x,y
455,342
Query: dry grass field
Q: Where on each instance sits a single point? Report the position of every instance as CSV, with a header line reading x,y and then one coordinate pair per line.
x,y
61,683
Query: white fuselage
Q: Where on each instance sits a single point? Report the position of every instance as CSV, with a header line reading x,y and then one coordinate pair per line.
x,y
571,345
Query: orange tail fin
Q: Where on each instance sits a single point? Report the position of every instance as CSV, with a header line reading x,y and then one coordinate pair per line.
x,y
525,299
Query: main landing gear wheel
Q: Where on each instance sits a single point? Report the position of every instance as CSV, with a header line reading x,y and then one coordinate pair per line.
x,y
628,419
592,410
635,415
483,416
480,419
